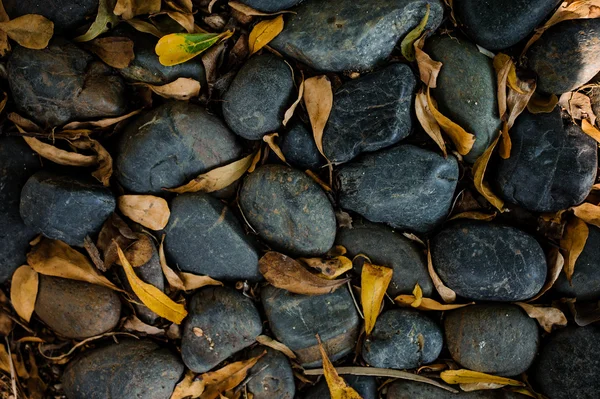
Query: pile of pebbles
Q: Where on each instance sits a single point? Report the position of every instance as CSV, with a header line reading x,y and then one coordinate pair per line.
x,y
388,176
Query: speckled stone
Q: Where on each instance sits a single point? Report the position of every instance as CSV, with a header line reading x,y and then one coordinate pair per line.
x,y
271,5
272,376
402,389
299,148
66,15
364,385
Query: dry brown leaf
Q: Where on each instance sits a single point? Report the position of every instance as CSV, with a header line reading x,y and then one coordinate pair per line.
x,y
134,324
3,101
556,263
270,140
517,100
128,9
145,27
189,387
104,161
338,388
32,30
4,44
286,273
317,180
114,231
329,268
445,293
140,251
547,316
428,68
502,65
263,32
590,130
427,303
572,243
290,111
185,6
227,377
589,213
463,376
172,277
149,211
274,344
505,142
428,122
181,89
479,386
102,123
186,20
6,323
539,104
479,173
59,156
193,281
114,51
578,106
374,283
251,12
318,99
474,215
23,291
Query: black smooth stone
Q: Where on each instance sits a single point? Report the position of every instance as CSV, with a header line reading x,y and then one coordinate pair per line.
x,y
258,97
403,389
550,167
289,210
337,35
66,15
299,148
18,162
364,385
170,145
130,369
402,339
271,5
494,339
272,376
64,207
62,83
569,364
487,262
370,113
221,322
204,237
407,187
498,24
296,319
567,55
466,90
390,249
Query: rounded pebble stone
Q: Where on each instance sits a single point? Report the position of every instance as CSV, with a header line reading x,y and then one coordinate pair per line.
x,y
387,248
402,339
567,55
66,15
204,237
496,339
365,386
299,148
569,364
258,97
405,186
271,5
288,210
272,376
130,369
401,389
76,309
170,145
483,261
221,322
65,208
551,168
296,319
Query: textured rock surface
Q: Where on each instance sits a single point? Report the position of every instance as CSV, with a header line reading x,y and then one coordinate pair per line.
x,y
550,168
295,319
299,148
338,35
288,210
484,261
370,113
221,322
272,376
495,339
65,208
170,145
66,15
127,370
205,237
365,386
410,390
271,5
404,186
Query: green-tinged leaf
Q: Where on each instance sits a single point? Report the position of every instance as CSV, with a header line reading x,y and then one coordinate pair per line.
x,y
177,48
105,20
407,48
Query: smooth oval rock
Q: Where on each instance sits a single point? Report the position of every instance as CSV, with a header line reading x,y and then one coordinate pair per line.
x,y
402,339
66,15
569,364
334,35
271,5
295,319
403,389
272,376
466,90
390,249
65,208
487,262
221,322
550,168
62,83
258,97
204,237
407,187
288,210
370,113
364,385
299,148
567,55
130,369
76,309
170,145
494,339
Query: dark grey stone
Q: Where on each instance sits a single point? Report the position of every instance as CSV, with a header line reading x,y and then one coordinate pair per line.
x,y
170,145
18,162
288,210
272,376
221,322
402,389
62,83
569,364
402,339
204,237
550,167
66,15
299,148
76,309
296,319
258,97
126,370
64,207
364,385
271,5
387,248
488,262
370,113
494,339
498,24
335,35
466,90
407,187
567,55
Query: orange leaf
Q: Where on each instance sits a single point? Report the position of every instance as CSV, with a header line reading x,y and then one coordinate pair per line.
x,y
338,388
374,283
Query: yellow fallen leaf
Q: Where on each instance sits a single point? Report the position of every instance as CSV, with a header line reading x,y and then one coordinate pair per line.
x,y
56,155
274,344
428,122
407,45
177,48
338,388
128,9
329,268
428,68
479,173
445,293
114,51
189,387
181,89
23,291
250,12
463,376
427,303
374,283
539,105
547,316
290,111
263,32
572,243
474,215
590,130
227,377
505,142
270,140
149,211
318,98
418,295
32,31
556,264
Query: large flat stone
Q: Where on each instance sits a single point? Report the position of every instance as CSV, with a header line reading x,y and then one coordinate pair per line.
x,y
66,15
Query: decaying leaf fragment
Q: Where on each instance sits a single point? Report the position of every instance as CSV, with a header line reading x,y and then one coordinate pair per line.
x,y
539,104
590,130
318,99
479,173
274,344
578,105
329,268
460,137
128,9
149,211
251,12
263,32
463,376
374,281
427,304
229,377
181,89
23,291
445,293
270,140
407,45
177,48
338,388
105,20
547,316
31,31
58,155
114,50
428,68
134,324
428,122
572,243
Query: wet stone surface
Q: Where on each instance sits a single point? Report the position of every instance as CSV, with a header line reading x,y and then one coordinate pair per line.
x,y
364,385
66,15
272,376
298,147
400,389
271,5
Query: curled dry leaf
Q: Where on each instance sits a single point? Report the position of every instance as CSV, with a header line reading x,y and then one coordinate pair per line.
x,y
547,316
114,51
263,32
589,213
539,104
177,48
105,20
427,303
517,100
556,264
274,344
318,99
181,89
475,215
407,45
59,156
338,388
227,377
193,281
186,20
590,130
572,243
329,268
149,211
460,137
479,173
445,293
128,9
428,68
145,27
374,281
31,31
189,387
502,65
104,161
134,324
102,123
23,291
428,122
270,140
578,106
290,111
251,12
114,231
286,273
463,376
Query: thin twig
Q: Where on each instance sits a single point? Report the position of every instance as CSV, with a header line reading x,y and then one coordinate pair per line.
x,y
354,300
13,374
